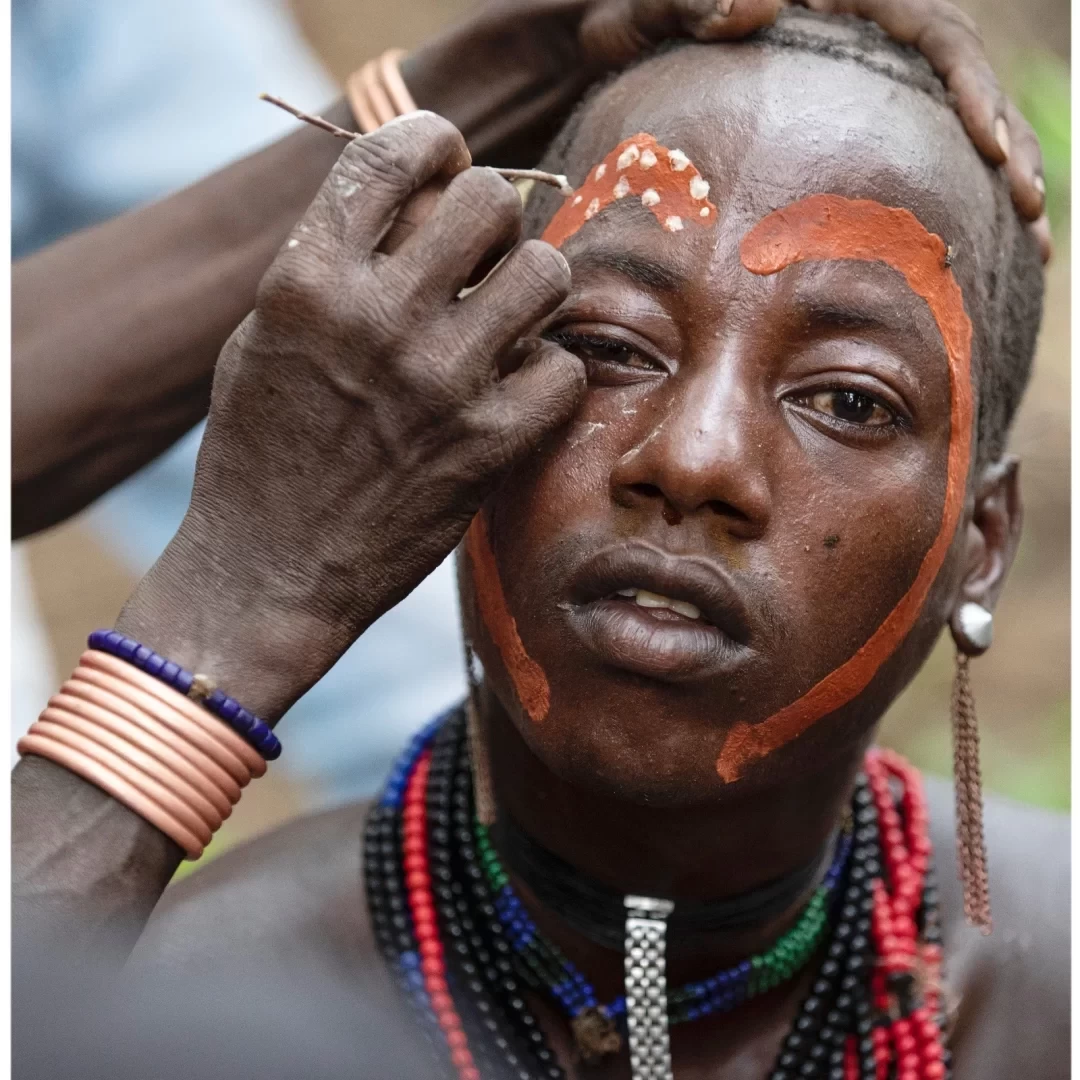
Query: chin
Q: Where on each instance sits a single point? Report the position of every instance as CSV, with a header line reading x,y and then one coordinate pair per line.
x,y
672,765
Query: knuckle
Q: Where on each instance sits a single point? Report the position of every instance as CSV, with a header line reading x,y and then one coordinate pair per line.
x,y
373,159
490,432
542,270
486,196
390,154
298,287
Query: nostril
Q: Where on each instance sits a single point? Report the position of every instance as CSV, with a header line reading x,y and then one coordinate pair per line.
x,y
648,491
725,509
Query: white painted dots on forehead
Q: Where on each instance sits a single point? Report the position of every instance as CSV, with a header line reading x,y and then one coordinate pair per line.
x,y
665,181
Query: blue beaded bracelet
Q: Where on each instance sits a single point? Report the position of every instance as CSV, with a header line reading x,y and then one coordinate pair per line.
x,y
250,727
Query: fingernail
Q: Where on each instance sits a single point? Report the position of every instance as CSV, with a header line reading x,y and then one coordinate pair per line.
x,y
1001,133
1040,185
725,7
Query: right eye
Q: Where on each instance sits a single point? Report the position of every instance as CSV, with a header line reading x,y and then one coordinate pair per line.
x,y
602,354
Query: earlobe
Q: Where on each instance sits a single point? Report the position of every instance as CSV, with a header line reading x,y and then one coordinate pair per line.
x,y
993,535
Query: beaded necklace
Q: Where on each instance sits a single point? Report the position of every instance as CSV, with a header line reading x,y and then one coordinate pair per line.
x,y
543,965
873,1008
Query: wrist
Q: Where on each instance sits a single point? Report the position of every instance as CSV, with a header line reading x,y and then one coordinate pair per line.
x,y
233,624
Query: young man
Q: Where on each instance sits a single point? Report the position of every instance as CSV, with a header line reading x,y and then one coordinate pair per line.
x,y
805,312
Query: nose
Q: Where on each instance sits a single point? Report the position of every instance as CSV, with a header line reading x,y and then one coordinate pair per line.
x,y
706,455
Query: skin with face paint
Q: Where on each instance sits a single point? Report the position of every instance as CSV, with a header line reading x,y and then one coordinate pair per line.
x,y
734,423
771,449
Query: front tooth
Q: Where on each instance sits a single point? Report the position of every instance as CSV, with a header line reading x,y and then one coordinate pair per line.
x,y
651,599
627,592
683,608
648,599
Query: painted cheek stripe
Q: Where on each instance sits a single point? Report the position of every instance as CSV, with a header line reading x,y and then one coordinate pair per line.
x,y
832,227
668,184
528,677
663,180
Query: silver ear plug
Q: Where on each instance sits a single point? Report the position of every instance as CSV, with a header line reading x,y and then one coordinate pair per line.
x,y
975,627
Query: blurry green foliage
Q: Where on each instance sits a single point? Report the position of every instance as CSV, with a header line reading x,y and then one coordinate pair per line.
x,y
1040,85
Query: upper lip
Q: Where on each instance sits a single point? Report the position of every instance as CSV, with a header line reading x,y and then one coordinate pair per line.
x,y
691,578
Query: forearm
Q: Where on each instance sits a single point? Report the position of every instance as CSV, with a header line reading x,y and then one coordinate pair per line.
x,y
522,78
116,329
84,868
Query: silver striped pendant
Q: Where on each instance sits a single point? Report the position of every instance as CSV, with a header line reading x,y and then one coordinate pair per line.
x,y
646,987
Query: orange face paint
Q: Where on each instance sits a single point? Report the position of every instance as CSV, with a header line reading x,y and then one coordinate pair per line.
x,y
832,227
663,180
528,677
668,184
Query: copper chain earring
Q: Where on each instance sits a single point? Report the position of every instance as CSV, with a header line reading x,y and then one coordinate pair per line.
x,y
973,633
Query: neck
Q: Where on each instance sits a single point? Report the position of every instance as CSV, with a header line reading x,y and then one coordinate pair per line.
x,y
695,855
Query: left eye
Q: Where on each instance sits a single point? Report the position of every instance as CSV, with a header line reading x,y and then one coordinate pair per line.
x,y
851,407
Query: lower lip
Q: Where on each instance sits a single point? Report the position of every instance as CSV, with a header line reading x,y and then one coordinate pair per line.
x,y
627,636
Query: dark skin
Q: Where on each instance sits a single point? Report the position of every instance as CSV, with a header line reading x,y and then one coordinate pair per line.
x,y
719,428
116,329
716,429
705,841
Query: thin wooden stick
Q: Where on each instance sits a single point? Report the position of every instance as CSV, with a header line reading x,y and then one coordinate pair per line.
x,y
315,121
556,180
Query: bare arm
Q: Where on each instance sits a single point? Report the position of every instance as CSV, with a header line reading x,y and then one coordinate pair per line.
x,y
358,369
115,330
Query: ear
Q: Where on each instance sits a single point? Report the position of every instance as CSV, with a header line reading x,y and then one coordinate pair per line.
x,y
993,536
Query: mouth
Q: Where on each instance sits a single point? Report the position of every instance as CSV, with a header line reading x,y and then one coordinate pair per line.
x,y
668,617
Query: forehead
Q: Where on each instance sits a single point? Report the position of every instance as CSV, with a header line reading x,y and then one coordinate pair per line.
x,y
767,127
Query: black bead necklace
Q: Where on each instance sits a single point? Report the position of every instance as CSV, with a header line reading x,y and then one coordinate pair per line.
x,y
481,1024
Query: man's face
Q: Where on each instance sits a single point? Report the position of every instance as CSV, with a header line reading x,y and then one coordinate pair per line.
x,y
759,468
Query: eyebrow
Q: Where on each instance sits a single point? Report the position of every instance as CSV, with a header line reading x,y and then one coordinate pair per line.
x,y
648,272
839,314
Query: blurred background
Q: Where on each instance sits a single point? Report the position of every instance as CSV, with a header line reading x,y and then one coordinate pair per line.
x,y
168,94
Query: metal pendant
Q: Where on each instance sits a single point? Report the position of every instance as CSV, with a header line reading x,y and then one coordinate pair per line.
x,y
646,987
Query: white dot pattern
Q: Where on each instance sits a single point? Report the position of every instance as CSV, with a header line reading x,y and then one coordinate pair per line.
x,y
628,157
678,159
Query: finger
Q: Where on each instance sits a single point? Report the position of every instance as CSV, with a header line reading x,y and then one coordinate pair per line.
x,y
477,217
512,358
526,407
530,283
413,214
609,35
376,173
615,32
1041,231
951,43
1025,166
729,20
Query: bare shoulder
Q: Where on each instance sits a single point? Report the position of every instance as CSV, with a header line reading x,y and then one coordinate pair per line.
x,y
296,893
273,936
1012,988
